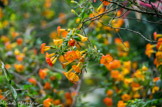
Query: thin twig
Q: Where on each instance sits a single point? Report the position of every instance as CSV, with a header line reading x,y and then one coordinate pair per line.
x,y
152,41
131,9
77,90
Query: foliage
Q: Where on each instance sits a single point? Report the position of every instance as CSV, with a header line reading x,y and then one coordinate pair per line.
x,y
80,53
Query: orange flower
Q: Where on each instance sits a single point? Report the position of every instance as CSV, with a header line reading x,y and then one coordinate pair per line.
x,y
71,76
47,4
17,52
138,74
74,93
56,102
135,86
118,41
47,85
106,3
62,59
47,102
50,59
5,39
159,44
119,13
115,74
7,66
70,56
115,64
8,46
99,9
59,30
54,60
77,68
67,95
156,79
83,39
106,59
120,77
82,58
134,65
62,18
2,97
159,55
108,101
19,67
79,53
155,62
48,13
20,57
136,95
125,71
1,13
127,81
121,104
149,49
156,35
158,58
127,65
44,48
53,35
32,81
125,97
64,34
109,93
65,64
57,42
52,78
71,42
69,101
19,41
126,46
49,62
144,68
42,73
155,89
14,34
149,46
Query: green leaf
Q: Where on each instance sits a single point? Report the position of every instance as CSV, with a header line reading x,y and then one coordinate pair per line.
x,y
5,72
58,76
77,38
14,92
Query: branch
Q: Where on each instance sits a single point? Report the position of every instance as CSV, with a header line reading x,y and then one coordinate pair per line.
x,y
144,12
89,19
77,90
131,31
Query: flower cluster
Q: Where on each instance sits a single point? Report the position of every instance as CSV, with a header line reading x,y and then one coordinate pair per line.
x,y
150,48
66,49
128,81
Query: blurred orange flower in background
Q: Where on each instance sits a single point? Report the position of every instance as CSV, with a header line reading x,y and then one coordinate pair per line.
x,y
106,59
19,67
32,81
42,73
108,101
125,97
47,102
